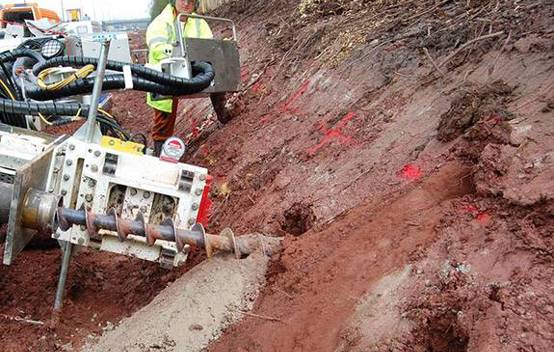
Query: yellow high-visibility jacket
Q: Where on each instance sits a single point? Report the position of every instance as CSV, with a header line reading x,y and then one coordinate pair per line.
x,y
160,36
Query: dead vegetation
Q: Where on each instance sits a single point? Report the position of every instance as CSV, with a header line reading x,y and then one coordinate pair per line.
x,y
458,30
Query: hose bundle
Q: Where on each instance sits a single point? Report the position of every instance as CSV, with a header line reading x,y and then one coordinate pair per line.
x,y
9,89
203,73
144,79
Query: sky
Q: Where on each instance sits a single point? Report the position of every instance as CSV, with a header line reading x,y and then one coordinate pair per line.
x,y
96,9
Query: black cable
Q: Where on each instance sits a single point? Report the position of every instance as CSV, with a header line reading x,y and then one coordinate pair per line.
x,y
113,124
115,82
200,71
33,108
15,91
139,138
12,55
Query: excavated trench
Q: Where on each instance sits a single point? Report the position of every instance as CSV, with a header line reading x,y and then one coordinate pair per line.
x,y
413,187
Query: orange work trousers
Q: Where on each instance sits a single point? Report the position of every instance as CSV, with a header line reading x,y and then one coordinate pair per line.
x,y
164,123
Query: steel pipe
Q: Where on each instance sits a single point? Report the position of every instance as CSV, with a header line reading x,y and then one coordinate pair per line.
x,y
96,91
64,269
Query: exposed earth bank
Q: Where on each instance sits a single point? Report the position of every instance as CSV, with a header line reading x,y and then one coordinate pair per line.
x,y
405,151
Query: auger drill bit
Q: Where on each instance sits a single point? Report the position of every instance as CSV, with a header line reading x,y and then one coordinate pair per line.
x,y
195,237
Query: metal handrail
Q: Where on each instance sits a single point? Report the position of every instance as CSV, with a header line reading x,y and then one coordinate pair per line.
x,y
210,18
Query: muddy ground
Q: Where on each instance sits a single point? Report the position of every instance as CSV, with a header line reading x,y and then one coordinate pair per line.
x,y
405,151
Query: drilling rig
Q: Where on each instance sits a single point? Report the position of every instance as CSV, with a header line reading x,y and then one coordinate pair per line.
x,y
104,192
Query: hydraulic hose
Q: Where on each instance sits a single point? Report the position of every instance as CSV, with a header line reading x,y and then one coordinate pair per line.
x,y
84,86
12,55
144,79
203,72
31,108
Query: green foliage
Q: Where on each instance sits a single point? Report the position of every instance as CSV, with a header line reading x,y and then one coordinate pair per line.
x,y
156,7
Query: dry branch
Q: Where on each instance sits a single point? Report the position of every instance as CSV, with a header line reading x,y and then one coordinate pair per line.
x,y
493,66
21,320
430,58
465,45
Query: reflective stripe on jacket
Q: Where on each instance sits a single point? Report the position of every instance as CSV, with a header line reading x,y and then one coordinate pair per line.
x,y
160,37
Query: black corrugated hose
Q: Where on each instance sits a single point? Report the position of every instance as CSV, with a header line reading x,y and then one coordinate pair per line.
x,y
203,73
144,79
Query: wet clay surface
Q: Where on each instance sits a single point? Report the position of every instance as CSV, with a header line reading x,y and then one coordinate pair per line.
x,y
416,202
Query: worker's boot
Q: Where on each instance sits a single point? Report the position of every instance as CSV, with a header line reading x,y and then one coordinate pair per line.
x,y
158,148
220,108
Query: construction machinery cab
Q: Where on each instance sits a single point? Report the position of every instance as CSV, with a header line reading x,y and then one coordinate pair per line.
x,y
17,14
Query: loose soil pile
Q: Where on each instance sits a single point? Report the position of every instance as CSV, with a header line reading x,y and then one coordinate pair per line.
x,y
403,148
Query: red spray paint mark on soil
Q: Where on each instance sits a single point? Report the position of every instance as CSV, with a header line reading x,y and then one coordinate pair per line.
x,y
482,217
257,87
287,105
333,134
195,132
244,74
411,172
470,209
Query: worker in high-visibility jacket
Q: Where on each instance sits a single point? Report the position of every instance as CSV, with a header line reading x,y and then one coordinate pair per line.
x,y
160,38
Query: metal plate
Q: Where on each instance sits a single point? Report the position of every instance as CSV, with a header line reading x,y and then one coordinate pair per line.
x,y
224,57
12,158
32,175
24,131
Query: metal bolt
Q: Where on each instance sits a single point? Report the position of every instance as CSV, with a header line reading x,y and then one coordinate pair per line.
x,y
143,209
146,195
94,168
97,153
71,147
91,183
192,221
195,206
89,197
199,192
66,177
64,192
69,163
81,241
202,177
133,191
83,227
111,142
